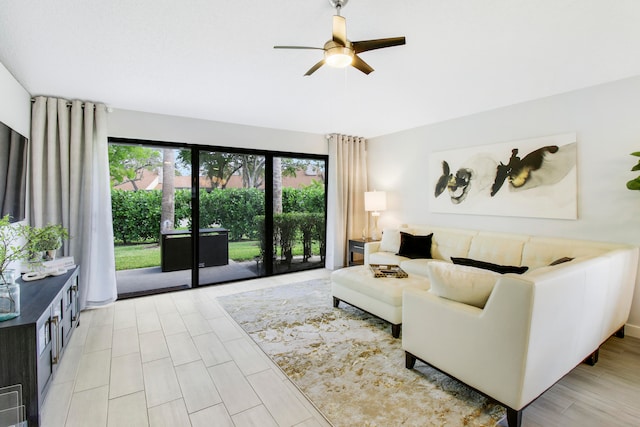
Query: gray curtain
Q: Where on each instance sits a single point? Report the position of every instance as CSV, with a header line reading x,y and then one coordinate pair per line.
x,y
347,184
69,185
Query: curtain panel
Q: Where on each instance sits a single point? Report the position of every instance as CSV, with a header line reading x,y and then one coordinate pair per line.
x,y
347,185
69,185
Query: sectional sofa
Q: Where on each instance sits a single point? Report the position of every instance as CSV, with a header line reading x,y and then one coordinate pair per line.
x,y
537,308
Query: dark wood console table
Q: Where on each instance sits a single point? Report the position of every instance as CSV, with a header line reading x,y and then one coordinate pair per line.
x,y
356,246
176,249
34,342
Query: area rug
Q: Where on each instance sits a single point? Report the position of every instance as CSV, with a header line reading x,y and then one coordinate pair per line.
x,y
349,365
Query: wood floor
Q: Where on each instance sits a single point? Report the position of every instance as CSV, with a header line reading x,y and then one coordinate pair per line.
x,y
179,360
604,395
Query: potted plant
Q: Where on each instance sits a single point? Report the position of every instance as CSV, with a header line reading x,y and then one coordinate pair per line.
x,y
634,184
14,246
47,240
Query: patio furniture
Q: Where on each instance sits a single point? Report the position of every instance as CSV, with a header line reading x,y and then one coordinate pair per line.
x,y
176,249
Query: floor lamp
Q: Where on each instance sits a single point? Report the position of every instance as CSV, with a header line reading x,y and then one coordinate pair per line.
x,y
374,202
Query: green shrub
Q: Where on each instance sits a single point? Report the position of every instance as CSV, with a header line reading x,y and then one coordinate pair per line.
x,y
308,199
136,214
234,209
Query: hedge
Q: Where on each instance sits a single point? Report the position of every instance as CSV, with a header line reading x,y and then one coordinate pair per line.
x,y
292,227
136,214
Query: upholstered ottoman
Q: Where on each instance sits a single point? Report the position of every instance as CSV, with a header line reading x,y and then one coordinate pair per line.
x,y
381,297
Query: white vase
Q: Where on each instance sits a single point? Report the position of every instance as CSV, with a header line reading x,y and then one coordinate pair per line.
x,y
50,254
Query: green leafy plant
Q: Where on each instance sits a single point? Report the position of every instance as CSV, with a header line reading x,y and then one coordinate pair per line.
x,y
634,184
48,238
14,244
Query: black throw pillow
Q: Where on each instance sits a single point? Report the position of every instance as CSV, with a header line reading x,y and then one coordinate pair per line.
x,y
502,269
415,246
561,260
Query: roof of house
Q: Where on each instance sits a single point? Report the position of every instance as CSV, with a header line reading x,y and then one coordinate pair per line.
x,y
150,181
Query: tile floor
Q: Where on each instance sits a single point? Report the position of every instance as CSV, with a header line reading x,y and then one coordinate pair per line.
x,y
174,360
179,360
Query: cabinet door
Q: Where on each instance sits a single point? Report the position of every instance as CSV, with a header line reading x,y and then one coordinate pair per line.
x,y
44,329
75,305
68,313
57,331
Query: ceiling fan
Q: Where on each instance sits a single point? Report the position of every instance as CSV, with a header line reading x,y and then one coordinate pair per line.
x,y
339,52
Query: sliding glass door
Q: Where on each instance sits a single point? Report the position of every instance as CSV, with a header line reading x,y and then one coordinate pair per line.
x,y
231,212
151,207
299,214
190,215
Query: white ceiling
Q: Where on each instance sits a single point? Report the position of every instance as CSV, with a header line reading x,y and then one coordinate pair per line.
x,y
214,59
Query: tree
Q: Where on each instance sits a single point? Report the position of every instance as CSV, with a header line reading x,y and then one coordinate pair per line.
x,y
277,185
168,190
252,170
128,162
216,166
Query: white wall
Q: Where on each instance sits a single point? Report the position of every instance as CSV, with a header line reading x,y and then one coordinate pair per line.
x,y
15,104
606,119
158,127
15,109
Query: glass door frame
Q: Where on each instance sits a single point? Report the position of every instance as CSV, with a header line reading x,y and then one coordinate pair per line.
x,y
195,191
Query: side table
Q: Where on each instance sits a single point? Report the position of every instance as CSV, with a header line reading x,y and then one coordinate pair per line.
x,y
356,246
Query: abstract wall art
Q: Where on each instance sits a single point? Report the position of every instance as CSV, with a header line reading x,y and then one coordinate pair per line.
x,y
534,178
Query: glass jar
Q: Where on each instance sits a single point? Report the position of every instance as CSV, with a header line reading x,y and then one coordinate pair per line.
x,y
9,296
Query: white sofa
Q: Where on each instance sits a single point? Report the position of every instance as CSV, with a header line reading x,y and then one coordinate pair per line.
x,y
533,328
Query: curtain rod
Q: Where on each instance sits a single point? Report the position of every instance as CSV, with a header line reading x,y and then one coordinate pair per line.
x,y
69,103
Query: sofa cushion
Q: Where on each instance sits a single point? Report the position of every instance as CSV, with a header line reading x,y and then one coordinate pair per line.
x,y
386,258
498,248
542,251
360,280
415,246
419,266
534,273
502,269
448,243
468,285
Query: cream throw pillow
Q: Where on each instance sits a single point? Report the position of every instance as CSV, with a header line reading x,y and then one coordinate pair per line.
x,y
390,241
468,285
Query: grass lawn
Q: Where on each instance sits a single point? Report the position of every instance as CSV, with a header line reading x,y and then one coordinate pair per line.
x,y
144,255
129,257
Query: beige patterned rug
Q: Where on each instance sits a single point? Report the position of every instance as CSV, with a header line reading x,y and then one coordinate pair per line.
x,y
349,365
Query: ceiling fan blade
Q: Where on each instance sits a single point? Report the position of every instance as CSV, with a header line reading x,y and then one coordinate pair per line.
x,y
314,68
340,30
297,47
365,45
361,65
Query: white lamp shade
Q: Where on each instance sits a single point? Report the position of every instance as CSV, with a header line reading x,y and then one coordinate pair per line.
x,y
375,201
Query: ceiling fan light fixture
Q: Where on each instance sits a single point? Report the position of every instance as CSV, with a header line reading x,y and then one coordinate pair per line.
x,y
340,52
338,57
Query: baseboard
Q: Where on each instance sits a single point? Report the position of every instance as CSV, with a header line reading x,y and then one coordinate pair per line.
x,y
632,330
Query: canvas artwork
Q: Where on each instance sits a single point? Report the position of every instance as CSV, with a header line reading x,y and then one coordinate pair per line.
x,y
529,178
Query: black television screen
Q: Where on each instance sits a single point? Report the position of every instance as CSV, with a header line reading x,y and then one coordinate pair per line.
x,y
13,173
